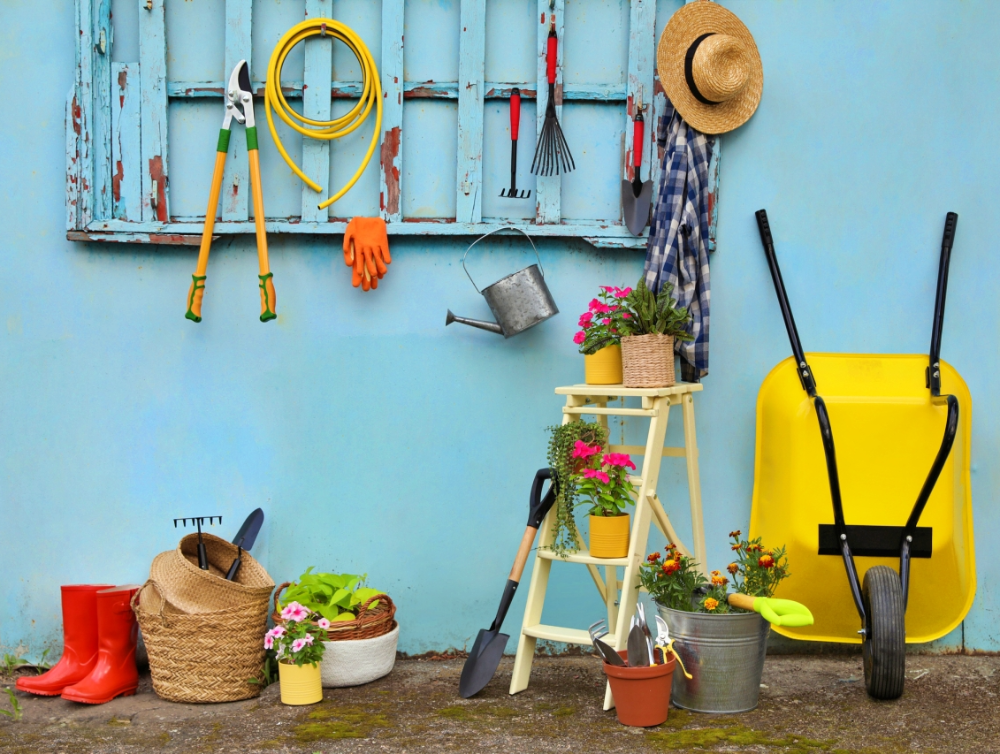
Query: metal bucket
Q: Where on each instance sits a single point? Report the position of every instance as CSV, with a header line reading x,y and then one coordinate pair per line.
x,y
518,301
725,656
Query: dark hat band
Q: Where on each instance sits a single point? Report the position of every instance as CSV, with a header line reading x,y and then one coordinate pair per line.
x,y
689,75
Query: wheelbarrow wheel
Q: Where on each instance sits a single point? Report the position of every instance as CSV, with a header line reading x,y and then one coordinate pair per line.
x,y
884,645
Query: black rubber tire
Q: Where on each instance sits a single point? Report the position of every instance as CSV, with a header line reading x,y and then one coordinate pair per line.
x,y
884,646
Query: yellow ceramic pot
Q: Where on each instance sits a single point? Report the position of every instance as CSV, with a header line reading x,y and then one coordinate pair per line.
x,y
300,684
609,536
603,367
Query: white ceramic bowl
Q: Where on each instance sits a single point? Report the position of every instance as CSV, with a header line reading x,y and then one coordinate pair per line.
x,y
352,663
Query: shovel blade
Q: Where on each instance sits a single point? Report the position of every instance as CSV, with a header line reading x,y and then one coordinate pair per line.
x,y
635,209
484,659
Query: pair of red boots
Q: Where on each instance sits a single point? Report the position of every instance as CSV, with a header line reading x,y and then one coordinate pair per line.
x,y
99,637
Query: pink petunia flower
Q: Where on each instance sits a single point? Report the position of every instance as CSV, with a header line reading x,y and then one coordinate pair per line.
x,y
299,644
323,623
603,477
626,315
605,321
268,641
586,317
589,473
308,639
582,450
294,612
594,305
580,337
277,632
622,293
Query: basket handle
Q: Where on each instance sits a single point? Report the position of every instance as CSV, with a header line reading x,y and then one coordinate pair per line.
x,y
373,598
281,587
497,230
134,602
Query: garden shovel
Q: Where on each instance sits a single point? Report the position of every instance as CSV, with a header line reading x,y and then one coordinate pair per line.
x,y
636,195
244,540
774,611
484,657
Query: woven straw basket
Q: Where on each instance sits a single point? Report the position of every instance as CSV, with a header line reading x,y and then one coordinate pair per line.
x,y
204,657
648,361
192,590
370,623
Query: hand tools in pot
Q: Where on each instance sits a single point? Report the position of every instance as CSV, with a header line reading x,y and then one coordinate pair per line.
x,y
552,152
484,657
199,521
638,648
515,124
636,195
239,106
597,631
665,644
641,612
244,540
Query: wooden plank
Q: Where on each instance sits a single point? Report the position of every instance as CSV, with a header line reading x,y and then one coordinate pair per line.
x,y
471,78
316,104
72,161
83,112
641,61
100,135
236,184
548,187
166,239
126,184
391,152
153,109
713,192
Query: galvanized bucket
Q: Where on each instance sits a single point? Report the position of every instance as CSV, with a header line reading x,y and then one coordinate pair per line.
x,y
518,301
725,656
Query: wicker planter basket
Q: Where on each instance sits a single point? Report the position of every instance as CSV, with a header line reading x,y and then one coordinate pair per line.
x,y
369,623
202,657
648,361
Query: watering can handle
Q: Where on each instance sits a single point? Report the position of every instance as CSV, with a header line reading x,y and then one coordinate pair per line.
x,y
506,227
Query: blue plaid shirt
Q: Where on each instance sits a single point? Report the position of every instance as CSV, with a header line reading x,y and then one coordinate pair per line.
x,y
677,252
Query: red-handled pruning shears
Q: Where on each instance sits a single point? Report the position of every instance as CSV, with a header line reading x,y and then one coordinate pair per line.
x,y
239,106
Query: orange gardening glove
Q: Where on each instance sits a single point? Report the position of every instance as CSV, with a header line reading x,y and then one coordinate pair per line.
x,y
366,250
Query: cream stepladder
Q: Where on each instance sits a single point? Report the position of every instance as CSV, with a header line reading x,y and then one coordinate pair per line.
x,y
592,400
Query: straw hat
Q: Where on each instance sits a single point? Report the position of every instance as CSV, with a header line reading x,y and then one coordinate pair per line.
x,y
710,67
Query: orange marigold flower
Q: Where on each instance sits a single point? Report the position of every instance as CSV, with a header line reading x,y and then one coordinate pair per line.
x,y
670,546
766,561
735,534
737,546
710,603
718,579
653,557
670,567
677,557
732,568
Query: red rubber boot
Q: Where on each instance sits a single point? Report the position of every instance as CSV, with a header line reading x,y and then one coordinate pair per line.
x,y
115,673
79,609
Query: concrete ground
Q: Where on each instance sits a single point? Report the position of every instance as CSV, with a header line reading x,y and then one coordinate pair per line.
x,y
808,705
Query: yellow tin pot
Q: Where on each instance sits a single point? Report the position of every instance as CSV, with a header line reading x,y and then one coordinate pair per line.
x,y
603,367
609,536
300,684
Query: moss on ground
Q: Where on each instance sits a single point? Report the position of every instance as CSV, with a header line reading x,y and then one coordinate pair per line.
x,y
470,712
332,723
737,735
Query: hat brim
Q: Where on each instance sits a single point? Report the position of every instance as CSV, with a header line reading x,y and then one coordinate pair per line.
x,y
684,27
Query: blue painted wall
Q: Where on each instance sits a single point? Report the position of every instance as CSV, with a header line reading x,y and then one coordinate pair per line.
x,y
379,442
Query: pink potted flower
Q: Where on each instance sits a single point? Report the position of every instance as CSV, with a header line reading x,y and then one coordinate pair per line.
x,y
606,490
599,336
298,646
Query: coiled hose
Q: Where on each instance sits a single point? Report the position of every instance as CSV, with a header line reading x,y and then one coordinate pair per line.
x,y
324,129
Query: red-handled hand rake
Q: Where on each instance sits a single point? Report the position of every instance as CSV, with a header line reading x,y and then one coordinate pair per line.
x,y
552,152
515,123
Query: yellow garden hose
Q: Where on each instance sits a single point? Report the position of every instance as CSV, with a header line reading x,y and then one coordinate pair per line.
x,y
324,129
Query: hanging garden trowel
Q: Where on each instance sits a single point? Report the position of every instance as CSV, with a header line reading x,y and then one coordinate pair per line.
x,y
636,195
244,540
484,657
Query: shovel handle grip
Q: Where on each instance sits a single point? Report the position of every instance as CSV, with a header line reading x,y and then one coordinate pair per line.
x,y
742,601
515,112
638,134
551,55
951,220
522,553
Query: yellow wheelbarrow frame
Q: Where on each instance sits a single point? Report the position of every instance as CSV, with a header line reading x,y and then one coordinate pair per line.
x,y
906,421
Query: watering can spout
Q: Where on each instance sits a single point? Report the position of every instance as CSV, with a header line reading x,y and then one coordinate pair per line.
x,y
491,326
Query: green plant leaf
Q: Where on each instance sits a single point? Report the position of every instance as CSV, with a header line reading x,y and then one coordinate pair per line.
x,y
343,617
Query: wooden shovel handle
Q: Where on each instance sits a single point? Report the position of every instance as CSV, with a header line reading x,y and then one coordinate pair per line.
x,y
522,553
742,601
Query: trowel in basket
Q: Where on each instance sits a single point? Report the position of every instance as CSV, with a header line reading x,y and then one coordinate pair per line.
x,y
636,195
244,540
484,657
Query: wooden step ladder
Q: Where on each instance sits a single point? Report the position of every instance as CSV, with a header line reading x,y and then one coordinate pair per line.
x,y
592,400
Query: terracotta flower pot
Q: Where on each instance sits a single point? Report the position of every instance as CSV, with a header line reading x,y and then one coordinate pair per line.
x,y
609,536
603,367
300,684
642,695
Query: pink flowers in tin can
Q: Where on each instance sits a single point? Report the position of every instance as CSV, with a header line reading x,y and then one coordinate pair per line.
x,y
299,640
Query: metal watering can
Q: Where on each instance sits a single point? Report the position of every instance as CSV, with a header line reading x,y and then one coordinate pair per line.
x,y
518,301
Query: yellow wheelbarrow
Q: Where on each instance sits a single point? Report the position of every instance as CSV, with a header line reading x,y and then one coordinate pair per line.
x,y
896,416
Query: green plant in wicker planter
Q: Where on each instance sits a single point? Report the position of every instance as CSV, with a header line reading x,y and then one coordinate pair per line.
x,y
562,441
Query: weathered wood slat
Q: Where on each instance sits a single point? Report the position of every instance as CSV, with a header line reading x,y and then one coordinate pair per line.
x,y
471,78
72,161
83,109
391,152
101,132
548,187
236,184
411,90
153,110
641,62
316,105
126,184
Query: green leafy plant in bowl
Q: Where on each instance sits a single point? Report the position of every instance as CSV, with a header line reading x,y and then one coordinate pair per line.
x,y
335,596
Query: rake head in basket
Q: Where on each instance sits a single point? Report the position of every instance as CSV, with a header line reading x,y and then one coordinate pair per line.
x,y
199,521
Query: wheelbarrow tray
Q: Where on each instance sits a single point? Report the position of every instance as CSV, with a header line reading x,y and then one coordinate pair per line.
x,y
887,433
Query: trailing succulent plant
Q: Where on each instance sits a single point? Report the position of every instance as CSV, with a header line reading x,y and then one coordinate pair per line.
x,y
562,441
